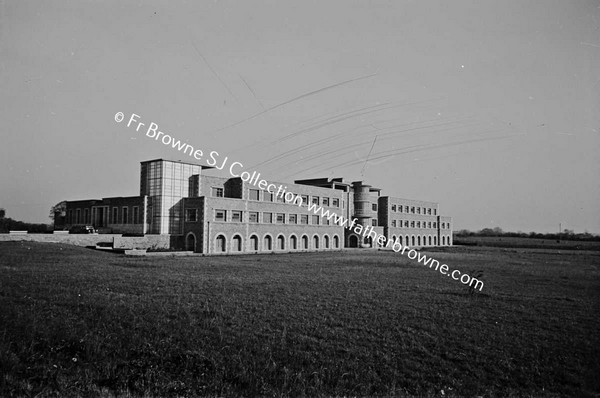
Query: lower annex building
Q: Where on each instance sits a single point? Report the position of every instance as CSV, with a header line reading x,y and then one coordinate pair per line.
x,y
217,215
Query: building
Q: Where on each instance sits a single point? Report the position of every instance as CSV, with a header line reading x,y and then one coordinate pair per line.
x,y
216,215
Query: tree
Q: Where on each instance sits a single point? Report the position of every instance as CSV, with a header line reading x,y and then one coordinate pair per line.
x,y
2,213
58,213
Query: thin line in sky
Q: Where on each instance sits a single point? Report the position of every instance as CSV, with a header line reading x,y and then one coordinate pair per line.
x,y
369,154
252,91
213,71
295,99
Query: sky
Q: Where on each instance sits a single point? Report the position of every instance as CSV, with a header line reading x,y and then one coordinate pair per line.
x,y
491,108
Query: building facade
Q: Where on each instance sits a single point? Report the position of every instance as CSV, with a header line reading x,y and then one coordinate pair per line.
x,y
216,215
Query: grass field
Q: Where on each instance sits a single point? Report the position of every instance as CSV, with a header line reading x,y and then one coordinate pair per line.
x,y
77,322
530,243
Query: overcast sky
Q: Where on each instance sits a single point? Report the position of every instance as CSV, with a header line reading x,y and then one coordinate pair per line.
x,y
491,109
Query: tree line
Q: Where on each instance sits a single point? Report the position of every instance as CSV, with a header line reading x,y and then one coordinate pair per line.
x,y
566,234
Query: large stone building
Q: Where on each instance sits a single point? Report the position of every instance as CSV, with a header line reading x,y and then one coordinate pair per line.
x,y
213,215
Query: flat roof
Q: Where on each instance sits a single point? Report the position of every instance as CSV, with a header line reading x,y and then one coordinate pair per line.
x,y
204,167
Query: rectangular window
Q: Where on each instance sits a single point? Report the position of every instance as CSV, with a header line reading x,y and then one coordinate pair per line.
x,y
400,208
303,218
326,202
280,218
280,199
77,215
115,216
191,215
393,223
315,200
267,196
315,220
405,223
220,215
267,218
412,210
435,212
254,194
304,199
293,218
217,192
418,210
412,224
418,224
393,207
136,215
86,216
253,216
236,216
374,206
326,221
429,211
335,202
125,215
434,224
374,222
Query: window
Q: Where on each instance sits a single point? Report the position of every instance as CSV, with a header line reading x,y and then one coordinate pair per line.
x,y
254,194
294,242
374,222
293,219
221,244
70,216
236,243
406,223
303,218
418,224
78,216
412,210
217,192
326,221
335,202
280,199
374,206
315,220
434,224
429,212
393,223
254,242
315,200
125,215
418,210
280,242
325,202
393,207
268,218
86,216
435,212
336,242
304,199
115,217
191,215
429,224
236,216
406,209
400,208
267,196
253,216
220,215
412,225
268,244
280,218
136,215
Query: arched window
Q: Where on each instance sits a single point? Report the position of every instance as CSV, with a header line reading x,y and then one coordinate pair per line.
x,y
254,243
268,245
400,239
305,242
336,242
443,240
316,242
221,244
190,242
353,241
418,240
394,238
236,244
326,241
429,240
413,240
280,242
435,240
294,242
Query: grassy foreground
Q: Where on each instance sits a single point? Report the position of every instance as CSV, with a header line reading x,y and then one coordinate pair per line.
x,y
75,322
